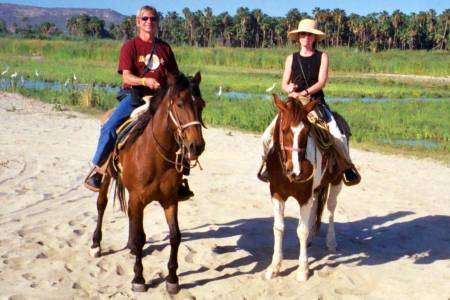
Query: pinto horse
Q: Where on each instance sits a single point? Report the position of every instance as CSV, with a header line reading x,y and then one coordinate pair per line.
x,y
152,166
305,177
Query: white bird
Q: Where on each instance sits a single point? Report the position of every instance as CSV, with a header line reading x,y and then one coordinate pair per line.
x,y
66,83
268,90
219,93
5,71
74,77
36,72
14,75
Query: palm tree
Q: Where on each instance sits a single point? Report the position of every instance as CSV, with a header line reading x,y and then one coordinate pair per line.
x,y
188,24
257,15
242,17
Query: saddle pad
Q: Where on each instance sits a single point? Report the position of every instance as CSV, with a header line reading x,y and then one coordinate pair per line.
x,y
123,132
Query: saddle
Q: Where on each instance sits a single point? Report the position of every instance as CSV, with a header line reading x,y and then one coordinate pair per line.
x,y
123,132
317,118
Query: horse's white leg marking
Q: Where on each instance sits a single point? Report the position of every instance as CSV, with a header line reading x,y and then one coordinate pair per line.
x,y
331,207
295,142
303,232
278,230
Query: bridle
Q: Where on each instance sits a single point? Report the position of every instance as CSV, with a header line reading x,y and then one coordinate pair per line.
x,y
283,156
179,136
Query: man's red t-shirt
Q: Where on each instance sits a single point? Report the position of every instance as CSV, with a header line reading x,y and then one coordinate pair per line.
x,y
135,54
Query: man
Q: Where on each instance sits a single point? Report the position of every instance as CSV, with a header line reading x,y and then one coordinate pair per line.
x,y
143,62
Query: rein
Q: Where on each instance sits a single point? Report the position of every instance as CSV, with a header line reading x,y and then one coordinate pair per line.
x,y
179,138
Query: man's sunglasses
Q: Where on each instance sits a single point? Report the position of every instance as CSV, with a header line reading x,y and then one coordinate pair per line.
x,y
152,18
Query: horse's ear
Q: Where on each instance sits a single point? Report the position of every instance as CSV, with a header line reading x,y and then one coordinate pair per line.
x,y
279,103
197,78
171,78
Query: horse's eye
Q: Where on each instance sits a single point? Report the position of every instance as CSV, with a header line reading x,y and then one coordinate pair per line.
x,y
179,104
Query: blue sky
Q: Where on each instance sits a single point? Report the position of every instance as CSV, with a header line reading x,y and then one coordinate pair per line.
x,y
272,8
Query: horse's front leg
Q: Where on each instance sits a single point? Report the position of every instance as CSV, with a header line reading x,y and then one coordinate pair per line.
x,y
102,201
331,207
303,232
278,230
171,213
137,238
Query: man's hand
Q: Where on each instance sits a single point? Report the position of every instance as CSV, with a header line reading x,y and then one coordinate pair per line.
x,y
152,83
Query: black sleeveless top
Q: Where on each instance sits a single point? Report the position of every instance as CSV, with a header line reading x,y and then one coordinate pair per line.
x,y
310,74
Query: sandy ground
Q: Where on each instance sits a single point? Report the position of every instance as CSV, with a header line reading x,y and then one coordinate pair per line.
x,y
393,230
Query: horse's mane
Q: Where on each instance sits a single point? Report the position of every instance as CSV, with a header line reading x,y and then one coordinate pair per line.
x,y
297,113
181,83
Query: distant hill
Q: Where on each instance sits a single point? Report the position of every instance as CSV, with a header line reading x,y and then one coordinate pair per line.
x,y
33,15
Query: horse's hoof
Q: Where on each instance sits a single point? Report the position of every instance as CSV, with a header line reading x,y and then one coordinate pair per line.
x,y
172,288
95,252
331,249
138,287
302,276
270,274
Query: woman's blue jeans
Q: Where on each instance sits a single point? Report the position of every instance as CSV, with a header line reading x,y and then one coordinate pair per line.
x,y
108,134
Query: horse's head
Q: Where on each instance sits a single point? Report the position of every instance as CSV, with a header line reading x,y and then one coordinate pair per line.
x,y
293,134
185,111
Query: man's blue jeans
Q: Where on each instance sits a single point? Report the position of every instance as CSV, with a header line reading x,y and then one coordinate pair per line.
x,y
108,134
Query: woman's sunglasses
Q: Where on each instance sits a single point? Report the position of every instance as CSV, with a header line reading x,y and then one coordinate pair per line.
x,y
152,18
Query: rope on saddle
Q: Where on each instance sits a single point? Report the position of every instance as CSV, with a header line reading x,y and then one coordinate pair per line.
x,y
324,139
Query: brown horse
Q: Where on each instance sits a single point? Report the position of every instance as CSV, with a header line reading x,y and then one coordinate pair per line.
x,y
305,177
151,164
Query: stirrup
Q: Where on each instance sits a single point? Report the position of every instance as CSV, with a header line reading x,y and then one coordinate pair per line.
x,y
91,173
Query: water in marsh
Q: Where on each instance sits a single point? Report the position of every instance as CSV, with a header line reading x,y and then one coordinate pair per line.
x,y
6,84
245,96
9,84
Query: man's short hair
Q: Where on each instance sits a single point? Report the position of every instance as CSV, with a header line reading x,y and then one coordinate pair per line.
x,y
147,8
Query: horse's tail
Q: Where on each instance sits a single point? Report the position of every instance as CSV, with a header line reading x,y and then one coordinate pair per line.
x,y
322,200
119,193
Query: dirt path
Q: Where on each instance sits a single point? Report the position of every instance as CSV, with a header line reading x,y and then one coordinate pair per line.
x,y
392,229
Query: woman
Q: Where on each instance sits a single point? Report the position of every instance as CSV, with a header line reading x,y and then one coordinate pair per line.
x,y
143,63
305,75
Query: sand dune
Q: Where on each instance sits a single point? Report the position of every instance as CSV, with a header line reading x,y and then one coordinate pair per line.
x,y
393,230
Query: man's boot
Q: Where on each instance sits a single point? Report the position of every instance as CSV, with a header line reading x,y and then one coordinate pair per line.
x,y
184,192
93,180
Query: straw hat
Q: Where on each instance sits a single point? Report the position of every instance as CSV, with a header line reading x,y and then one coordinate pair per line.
x,y
306,25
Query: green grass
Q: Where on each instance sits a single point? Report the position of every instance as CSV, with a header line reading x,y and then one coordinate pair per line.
x,y
253,70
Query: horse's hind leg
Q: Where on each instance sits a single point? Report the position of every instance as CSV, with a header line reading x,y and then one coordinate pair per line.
x,y
171,213
137,236
331,206
102,201
278,230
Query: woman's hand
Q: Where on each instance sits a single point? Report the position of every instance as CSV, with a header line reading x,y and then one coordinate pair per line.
x,y
294,95
291,87
304,93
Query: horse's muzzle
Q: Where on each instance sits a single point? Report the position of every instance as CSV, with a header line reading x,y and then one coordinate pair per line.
x,y
195,149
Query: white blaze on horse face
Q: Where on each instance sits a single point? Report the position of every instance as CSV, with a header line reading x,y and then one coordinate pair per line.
x,y
295,142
